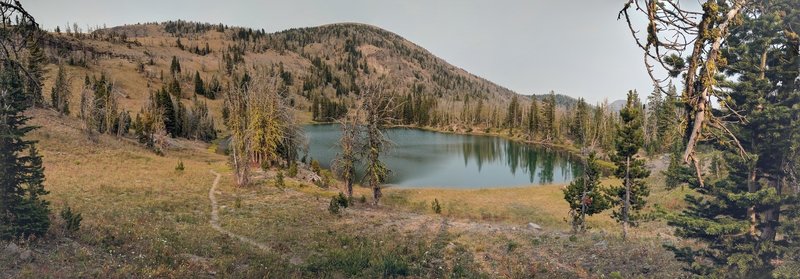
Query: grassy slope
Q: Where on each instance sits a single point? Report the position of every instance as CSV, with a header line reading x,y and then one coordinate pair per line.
x,y
144,218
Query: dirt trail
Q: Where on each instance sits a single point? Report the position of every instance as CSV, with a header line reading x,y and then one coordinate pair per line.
x,y
215,218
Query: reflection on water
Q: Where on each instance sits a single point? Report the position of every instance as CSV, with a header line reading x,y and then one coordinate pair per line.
x,y
430,159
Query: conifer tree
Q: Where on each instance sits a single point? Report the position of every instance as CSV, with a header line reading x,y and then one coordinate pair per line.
x,y
22,210
668,130
512,114
549,125
35,72
199,87
175,88
652,136
630,196
175,66
746,218
533,118
584,195
60,93
580,122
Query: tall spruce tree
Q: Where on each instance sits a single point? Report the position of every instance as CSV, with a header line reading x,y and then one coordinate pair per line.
x,y
512,114
653,140
580,121
549,125
35,71
533,118
199,86
747,218
630,196
175,66
60,93
23,212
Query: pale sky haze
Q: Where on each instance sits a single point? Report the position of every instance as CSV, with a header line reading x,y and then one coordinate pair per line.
x,y
574,47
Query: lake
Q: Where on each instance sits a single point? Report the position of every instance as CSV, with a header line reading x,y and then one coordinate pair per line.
x,y
425,159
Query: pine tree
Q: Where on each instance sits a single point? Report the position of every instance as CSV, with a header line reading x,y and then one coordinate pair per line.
x,y
22,211
584,195
549,125
747,217
60,93
175,66
167,108
35,72
668,130
175,88
512,114
580,122
630,196
652,136
533,118
199,87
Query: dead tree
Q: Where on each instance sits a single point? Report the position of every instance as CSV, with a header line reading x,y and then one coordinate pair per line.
x,y
673,31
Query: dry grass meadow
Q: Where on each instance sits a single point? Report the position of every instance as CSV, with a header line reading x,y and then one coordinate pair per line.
x,y
144,218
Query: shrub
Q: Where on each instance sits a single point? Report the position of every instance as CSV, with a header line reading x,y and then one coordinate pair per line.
x,y
437,208
342,200
72,220
292,169
279,180
327,178
315,166
333,207
362,199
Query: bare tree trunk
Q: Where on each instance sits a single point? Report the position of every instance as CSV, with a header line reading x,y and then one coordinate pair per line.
x,y
626,207
709,70
751,210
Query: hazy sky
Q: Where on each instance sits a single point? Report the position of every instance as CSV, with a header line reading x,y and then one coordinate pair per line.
x,y
575,47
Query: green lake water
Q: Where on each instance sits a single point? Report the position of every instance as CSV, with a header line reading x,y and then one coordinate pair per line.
x,y
425,159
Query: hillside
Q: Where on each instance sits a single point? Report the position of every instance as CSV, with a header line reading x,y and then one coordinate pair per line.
x,y
330,60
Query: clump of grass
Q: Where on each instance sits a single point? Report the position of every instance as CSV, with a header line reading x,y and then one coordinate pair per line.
x,y
362,199
342,200
337,203
333,207
72,220
180,167
437,208
292,169
315,166
279,180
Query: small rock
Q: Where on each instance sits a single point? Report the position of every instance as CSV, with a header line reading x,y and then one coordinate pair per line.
x,y
11,249
534,226
25,255
601,244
